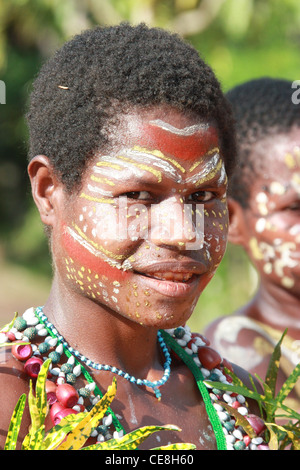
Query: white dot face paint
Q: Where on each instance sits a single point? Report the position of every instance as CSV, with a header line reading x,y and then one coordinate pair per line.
x,y
152,216
274,216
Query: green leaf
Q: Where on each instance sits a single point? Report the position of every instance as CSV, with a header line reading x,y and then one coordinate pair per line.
x,y
82,431
58,433
37,407
270,405
15,423
240,419
289,412
132,440
273,368
9,325
289,433
35,419
36,440
40,390
12,343
240,390
178,446
289,384
273,440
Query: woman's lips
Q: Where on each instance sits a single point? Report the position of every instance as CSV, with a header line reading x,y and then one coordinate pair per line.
x,y
172,284
170,276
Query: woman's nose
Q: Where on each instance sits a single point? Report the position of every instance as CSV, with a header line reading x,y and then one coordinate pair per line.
x,y
176,223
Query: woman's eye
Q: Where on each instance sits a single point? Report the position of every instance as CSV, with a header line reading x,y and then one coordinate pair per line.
x,y
202,196
137,195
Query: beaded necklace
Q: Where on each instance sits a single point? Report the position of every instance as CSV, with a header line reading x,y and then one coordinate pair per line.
x,y
189,347
105,367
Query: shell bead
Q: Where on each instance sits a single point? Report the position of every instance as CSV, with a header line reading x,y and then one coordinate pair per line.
x,y
44,347
239,445
20,324
55,357
71,378
32,366
256,423
51,392
179,332
208,357
84,392
56,408
67,395
201,337
51,398
66,368
10,335
30,332
22,352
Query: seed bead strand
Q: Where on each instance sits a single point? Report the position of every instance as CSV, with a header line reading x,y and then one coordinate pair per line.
x,y
105,367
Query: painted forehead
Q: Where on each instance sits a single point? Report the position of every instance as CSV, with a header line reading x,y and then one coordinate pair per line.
x,y
184,143
186,155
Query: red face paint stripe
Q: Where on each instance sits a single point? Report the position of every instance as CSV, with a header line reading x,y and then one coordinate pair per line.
x,y
182,147
83,257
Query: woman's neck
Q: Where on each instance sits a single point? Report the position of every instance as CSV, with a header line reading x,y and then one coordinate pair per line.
x,y
101,334
276,307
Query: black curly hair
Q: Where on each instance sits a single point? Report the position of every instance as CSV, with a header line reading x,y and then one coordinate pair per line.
x,y
107,70
262,107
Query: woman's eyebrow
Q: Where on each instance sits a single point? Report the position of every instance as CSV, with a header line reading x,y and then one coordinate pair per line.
x,y
139,160
213,168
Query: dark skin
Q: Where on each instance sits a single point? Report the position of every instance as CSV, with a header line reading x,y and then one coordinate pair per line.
x,y
118,323
269,232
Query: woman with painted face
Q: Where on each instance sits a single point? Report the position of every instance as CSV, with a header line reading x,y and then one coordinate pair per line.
x,y
131,145
264,207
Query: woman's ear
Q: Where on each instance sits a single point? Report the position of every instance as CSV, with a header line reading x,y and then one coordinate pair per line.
x,y
237,230
43,186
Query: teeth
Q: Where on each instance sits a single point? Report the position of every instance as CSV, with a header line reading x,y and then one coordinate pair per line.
x,y
169,276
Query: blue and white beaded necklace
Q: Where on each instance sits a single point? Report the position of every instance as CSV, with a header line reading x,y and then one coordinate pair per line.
x,y
105,367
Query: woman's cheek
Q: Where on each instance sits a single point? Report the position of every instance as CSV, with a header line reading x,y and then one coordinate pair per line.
x,y
82,260
215,232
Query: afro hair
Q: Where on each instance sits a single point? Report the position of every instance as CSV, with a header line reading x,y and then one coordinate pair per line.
x,y
105,71
262,107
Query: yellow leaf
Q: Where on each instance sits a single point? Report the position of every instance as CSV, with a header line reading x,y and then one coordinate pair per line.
x,y
82,431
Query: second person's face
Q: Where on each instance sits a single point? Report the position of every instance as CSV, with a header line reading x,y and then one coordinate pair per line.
x,y
273,219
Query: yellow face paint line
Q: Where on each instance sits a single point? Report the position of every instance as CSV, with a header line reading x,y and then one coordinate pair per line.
x,y
109,164
102,180
96,199
159,154
156,173
211,175
96,245
212,151
289,160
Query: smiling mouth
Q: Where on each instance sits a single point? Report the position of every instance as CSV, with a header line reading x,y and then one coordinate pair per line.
x,y
170,276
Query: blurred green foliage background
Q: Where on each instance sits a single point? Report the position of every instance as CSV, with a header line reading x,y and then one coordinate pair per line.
x,y
240,39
